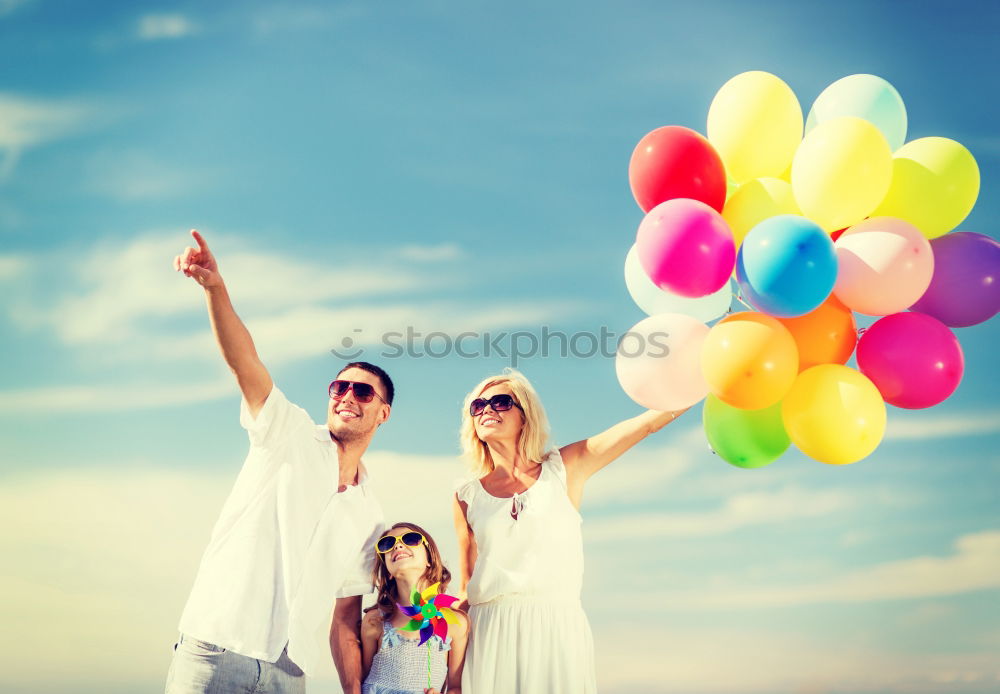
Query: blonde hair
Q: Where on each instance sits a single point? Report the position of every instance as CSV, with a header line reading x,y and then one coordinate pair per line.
x,y
533,441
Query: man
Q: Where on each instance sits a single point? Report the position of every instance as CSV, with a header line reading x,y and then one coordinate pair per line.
x,y
291,545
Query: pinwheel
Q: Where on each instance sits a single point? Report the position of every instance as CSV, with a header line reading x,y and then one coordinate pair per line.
x,y
430,613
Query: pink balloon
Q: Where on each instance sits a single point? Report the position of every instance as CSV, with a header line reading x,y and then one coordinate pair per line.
x,y
884,266
659,361
686,247
913,359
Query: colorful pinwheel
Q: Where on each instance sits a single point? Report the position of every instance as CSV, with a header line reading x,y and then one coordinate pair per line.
x,y
430,613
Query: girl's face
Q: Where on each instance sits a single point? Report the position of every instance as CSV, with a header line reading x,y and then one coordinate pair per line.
x,y
402,557
493,425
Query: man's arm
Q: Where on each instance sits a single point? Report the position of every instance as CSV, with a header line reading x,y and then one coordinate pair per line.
x,y
230,333
345,643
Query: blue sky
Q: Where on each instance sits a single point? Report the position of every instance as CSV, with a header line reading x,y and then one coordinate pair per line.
x,y
450,166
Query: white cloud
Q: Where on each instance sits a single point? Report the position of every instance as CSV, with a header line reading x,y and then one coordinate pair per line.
x,y
659,659
27,122
112,398
294,18
913,426
118,290
427,254
136,175
11,266
9,6
740,510
974,565
125,303
154,27
115,289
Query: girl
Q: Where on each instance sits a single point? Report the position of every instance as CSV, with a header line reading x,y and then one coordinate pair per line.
x,y
519,539
407,558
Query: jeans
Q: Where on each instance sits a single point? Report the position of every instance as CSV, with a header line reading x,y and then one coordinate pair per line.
x,y
199,667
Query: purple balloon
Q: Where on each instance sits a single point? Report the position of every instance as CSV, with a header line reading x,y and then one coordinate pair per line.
x,y
965,287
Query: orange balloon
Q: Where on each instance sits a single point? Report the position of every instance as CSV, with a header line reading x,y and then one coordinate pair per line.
x,y
749,360
825,335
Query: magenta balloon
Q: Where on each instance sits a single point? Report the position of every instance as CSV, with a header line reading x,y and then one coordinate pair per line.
x,y
913,359
965,287
686,247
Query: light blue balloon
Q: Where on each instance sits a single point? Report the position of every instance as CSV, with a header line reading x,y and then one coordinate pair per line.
x,y
653,300
786,266
864,96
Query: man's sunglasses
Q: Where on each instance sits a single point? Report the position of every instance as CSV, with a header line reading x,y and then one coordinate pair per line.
x,y
499,403
388,542
363,392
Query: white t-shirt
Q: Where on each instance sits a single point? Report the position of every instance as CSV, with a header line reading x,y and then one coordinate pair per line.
x,y
286,544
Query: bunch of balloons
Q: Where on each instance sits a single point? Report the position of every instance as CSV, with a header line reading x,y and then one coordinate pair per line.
x,y
815,220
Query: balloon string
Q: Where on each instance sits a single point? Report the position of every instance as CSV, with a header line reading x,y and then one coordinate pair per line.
x,y
739,298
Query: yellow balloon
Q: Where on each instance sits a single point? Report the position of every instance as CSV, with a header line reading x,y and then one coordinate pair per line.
x,y
749,360
755,201
935,183
755,124
841,172
834,414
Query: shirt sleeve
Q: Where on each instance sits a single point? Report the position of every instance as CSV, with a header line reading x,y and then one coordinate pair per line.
x,y
276,419
358,576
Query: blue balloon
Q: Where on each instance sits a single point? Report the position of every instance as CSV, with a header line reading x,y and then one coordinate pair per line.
x,y
786,266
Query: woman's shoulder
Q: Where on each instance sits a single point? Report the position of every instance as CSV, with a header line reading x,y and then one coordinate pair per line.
x,y
466,488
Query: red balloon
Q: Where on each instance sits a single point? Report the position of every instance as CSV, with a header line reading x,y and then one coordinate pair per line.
x,y
912,358
676,162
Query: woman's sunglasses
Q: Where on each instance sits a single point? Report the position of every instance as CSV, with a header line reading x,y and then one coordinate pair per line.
x,y
410,539
499,403
363,392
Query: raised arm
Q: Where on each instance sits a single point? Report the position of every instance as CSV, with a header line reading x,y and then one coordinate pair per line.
x,y
467,550
345,644
583,458
232,336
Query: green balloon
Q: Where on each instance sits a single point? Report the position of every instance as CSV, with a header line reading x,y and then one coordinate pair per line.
x,y
744,438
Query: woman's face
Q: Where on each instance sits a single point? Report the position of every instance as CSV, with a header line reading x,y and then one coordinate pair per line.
x,y
498,426
403,557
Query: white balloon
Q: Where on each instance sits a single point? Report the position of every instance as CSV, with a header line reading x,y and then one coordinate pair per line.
x,y
653,300
659,362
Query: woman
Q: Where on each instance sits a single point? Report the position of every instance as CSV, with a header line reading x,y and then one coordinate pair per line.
x,y
520,546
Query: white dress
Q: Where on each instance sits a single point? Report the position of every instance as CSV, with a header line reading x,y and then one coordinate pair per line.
x,y
529,632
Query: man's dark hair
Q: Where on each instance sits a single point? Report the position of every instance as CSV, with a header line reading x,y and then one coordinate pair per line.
x,y
390,391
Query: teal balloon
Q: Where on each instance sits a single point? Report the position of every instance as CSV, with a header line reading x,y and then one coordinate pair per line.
x,y
786,266
863,96
744,438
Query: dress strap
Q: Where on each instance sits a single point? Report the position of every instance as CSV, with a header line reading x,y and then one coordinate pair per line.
x,y
466,490
390,637
553,461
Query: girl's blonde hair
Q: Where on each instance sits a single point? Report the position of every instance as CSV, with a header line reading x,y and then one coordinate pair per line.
x,y
534,439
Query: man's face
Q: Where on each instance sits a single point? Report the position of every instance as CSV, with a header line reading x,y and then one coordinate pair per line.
x,y
349,419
